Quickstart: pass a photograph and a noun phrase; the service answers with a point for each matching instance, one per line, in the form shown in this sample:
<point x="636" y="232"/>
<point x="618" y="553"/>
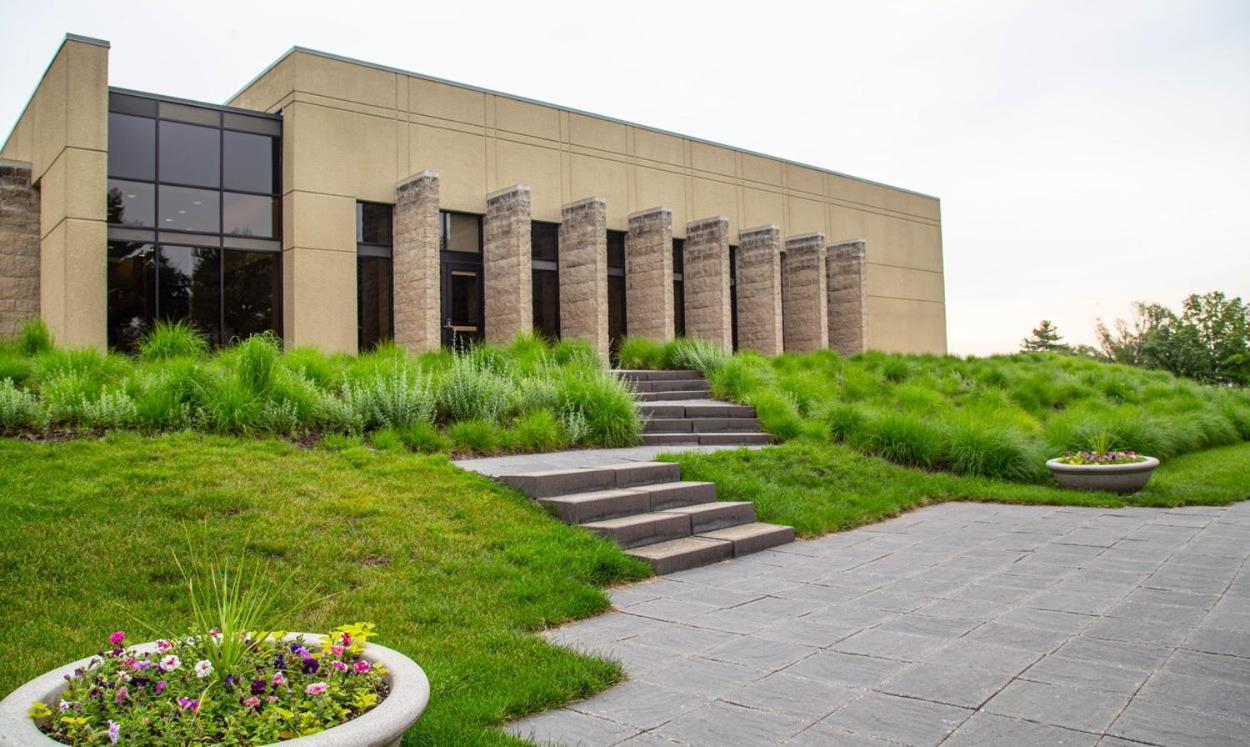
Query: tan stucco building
<point x="340" y="203"/>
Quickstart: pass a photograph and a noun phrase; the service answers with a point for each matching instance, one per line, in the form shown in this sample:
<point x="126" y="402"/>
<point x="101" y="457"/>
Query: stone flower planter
<point x="1110" y="478"/>
<point x="384" y="726"/>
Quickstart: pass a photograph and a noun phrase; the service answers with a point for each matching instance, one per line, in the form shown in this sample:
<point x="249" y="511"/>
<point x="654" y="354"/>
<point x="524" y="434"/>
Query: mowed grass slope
<point x="819" y="488"/>
<point x="455" y="571"/>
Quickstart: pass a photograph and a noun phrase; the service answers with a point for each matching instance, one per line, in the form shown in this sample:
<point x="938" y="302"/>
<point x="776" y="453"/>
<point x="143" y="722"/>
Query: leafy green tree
<point x="1045" y="339"/>
<point x="1209" y="340"/>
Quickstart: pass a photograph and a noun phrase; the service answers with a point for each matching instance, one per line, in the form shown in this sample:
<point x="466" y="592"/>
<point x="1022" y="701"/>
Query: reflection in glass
<point x="679" y="308"/>
<point x="132" y="146"/>
<point x="189" y="288"/>
<point x="463" y="308"/>
<point x="733" y="294"/>
<point x="462" y="232"/>
<point x="131" y="293"/>
<point x="185" y="209"/>
<point x="616" y="312"/>
<point x="373" y="300"/>
<point x="131" y="203"/>
<point x="248" y="162"/>
<point x="252" y="290"/>
<point x="616" y="249"/>
<point x="190" y="154"/>
<point x="546" y="288"/>
<point x="249" y="215"/>
<point x="373" y="223"/>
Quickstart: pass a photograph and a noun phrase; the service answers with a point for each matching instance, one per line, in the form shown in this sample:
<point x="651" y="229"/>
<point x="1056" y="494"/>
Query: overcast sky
<point x="1087" y="154"/>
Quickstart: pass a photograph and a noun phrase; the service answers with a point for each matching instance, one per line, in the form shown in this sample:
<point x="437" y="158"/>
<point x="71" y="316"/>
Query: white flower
<point x="64" y="705"/>
<point x="169" y="663"/>
<point x="203" y="668"/>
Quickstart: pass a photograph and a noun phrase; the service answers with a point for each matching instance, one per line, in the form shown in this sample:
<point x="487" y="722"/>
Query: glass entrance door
<point x="462" y="302"/>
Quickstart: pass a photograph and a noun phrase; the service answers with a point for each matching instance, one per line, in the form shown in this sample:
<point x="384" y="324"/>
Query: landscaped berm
<point x="333" y="473"/>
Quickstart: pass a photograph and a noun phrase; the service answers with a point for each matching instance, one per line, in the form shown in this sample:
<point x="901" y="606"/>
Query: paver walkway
<point x="958" y="624"/>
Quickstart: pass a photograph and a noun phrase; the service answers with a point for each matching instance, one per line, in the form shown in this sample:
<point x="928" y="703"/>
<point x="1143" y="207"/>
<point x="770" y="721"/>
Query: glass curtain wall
<point x="194" y="213"/>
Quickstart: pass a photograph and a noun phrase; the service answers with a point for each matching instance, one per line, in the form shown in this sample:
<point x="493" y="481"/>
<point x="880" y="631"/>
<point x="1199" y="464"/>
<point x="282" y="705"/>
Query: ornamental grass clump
<point x="229" y="679"/>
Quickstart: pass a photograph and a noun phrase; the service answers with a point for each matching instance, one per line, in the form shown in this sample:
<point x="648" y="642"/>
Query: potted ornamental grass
<point x="230" y="679"/>
<point x="1103" y="467"/>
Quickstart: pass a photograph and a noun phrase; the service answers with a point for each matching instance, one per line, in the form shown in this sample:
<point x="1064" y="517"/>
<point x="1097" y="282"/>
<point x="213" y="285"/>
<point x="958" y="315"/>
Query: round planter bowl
<point x="383" y="726"/>
<point x="1109" y="478"/>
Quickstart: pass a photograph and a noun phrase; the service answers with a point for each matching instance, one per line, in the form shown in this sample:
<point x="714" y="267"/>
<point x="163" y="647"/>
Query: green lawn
<point x="454" y="570"/>
<point x="818" y="487"/>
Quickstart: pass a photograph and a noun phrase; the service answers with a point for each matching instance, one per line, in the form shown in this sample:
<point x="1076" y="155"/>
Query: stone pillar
<point x="847" y="281"/>
<point x="706" y="277"/>
<point x="19" y="247"/>
<point x="415" y="263"/>
<point x="759" y="290"/>
<point x="804" y="299"/>
<point x="583" y="262"/>
<point x="506" y="264"/>
<point x="649" y="275"/>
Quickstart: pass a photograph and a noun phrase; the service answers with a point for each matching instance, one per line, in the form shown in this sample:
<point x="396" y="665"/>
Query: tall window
<point x="375" y="321"/>
<point x="616" y="291"/>
<point x="545" y="246"/>
<point x="679" y="289"/>
<point x="460" y="260"/>
<point x="194" y="213"/>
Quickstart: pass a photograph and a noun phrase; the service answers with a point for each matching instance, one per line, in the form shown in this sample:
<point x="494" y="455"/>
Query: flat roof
<point x="399" y="71"/>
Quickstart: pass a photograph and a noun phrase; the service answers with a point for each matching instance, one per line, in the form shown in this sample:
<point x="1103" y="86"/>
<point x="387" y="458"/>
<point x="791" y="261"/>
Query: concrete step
<point x="546" y="484"/>
<point x="749" y="538"/>
<point x="642" y="529"/>
<point x="680" y="554"/>
<point x="709" y="517"/>
<point x="658" y="410"/>
<point x="706" y="439"/>
<point x="666" y="396"/>
<point x="635" y="374"/>
<point x="702" y="425"/>
<point x="672" y="385"/>
<point x="579" y="508"/>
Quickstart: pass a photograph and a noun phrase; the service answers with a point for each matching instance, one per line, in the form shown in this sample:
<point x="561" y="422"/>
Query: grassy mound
<point x="999" y="417"/>
<point x="527" y="396"/>
<point x="453" y="569"/>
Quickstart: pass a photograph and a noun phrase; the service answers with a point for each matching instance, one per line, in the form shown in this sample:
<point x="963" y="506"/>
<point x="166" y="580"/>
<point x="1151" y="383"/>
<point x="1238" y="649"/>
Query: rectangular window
<point x="251" y="287"/>
<point x="374" y="274"/>
<point x="461" y="232"/>
<point x="190" y="154"/>
<point x="249" y="162"/>
<point x="545" y="254"/>
<point x="131" y="293"/>
<point x="189" y="288"/>
<point x="733" y="294"/>
<point x="131" y="203"/>
<point x="679" y="287"/>
<point x="186" y="209"/>
<point x="616" y="291"/>
<point x="250" y="215"/>
<point x="374" y="305"/>
<point x="132" y="147"/>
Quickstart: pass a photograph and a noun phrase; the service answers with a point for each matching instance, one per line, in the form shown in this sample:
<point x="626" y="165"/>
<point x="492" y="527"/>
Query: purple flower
<point x="229" y="682"/>
<point x="187" y="704"/>
<point x="115" y="732"/>
<point x="123" y="694"/>
<point x="279" y="679"/>
<point x="258" y="687"/>
<point x="310" y="666"/>
<point x="160" y="687"/>
<point x="362" y="667"/>
<point x="279" y="663"/>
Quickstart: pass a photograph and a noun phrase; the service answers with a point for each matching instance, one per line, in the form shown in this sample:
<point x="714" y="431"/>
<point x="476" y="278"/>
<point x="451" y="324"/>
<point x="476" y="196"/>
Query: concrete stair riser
<point x="709" y="517"/>
<point x="672" y="385"/>
<point x="642" y="529"/>
<point x="579" y="508"/>
<point x="672" y="396"/>
<point x="646" y="375"/>
<point x="564" y="482"/>
<point x="682" y="554"/>
<point x="710" y="410"/>
<point x="732" y="439"/>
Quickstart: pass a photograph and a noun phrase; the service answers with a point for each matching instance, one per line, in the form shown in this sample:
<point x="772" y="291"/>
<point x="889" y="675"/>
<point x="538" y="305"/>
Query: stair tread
<point x="709" y="507"/>
<point x="677" y="547"/>
<point x="631" y="520"/>
<point x="741" y="531"/>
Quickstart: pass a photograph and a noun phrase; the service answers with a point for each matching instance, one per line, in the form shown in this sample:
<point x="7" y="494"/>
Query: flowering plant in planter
<point x="1127" y="456"/>
<point x="245" y="688"/>
<point x="1102" y="467"/>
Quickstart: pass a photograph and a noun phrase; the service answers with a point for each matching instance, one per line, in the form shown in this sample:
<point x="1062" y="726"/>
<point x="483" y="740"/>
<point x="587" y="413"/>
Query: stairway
<point x="679" y="410"/>
<point x="646" y="508"/>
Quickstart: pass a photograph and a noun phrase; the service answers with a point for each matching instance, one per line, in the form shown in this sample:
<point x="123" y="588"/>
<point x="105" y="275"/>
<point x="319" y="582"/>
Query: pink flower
<point x="251" y="702"/>
<point x="347" y="639"/>
<point x="123" y="694"/>
<point x="336" y="650"/>
<point x="139" y="665"/>
<point x="188" y="704"/>
<point x="279" y="679"/>
<point x="316" y="688"/>
<point x="362" y="667"/>
<point x="169" y="663"/>
<point x="340" y="666"/>
<point x="271" y="698"/>
<point x="203" y="668"/>
<point x="117" y="638"/>
<point x="160" y="686"/>
<point x="115" y="732"/>
<point x="163" y="646"/>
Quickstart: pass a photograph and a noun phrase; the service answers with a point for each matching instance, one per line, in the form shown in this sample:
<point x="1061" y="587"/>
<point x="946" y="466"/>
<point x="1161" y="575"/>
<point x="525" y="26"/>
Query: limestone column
<point x="847" y="282"/>
<point x="706" y="277"/>
<point x="506" y="264"/>
<point x="415" y="263"/>
<point x="583" y="262"/>
<point x="804" y="299"/>
<point x="759" y="290"/>
<point x="19" y="247"/>
<point x="649" y="275"/>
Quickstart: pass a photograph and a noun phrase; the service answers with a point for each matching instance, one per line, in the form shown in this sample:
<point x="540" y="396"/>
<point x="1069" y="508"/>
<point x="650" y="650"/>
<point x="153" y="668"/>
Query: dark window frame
<point x="366" y="250"/>
<point x="451" y="262"/>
